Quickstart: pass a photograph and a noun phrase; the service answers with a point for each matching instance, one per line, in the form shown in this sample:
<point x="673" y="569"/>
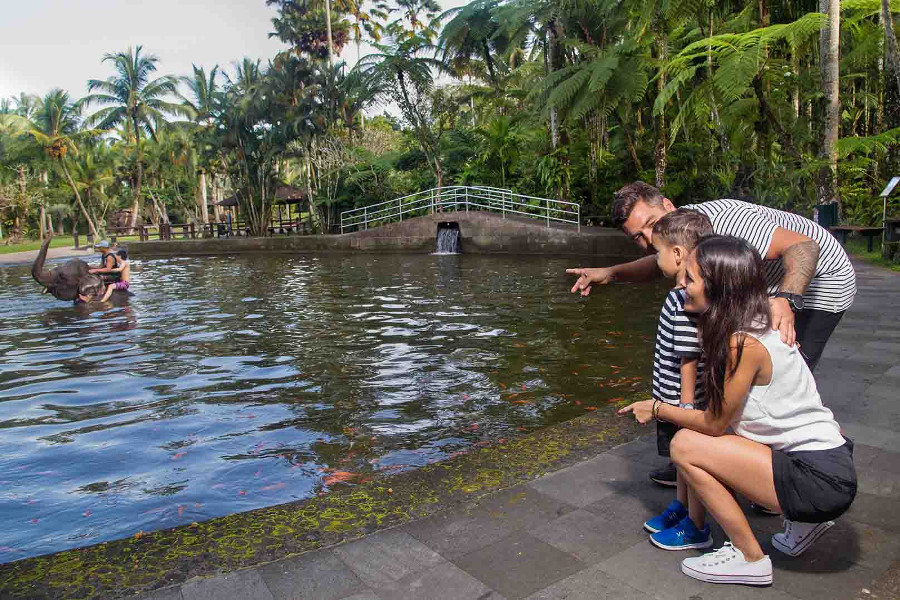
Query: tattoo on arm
<point x="799" y="266"/>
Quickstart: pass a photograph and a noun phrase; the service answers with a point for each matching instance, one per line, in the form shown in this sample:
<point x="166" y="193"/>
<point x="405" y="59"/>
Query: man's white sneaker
<point x="797" y="537"/>
<point x="728" y="565"/>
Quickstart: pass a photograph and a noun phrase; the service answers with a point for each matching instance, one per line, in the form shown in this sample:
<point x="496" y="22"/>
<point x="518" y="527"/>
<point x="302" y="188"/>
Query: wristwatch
<point x="795" y="300"/>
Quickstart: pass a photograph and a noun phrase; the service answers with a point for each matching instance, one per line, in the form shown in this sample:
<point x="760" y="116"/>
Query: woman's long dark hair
<point x="735" y="286"/>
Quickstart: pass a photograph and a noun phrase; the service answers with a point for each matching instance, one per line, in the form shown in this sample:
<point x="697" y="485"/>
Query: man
<point x="108" y="262"/>
<point x="811" y="281"/>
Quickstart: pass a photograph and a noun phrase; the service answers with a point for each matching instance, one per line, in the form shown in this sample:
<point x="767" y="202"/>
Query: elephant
<point x="67" y="280"/>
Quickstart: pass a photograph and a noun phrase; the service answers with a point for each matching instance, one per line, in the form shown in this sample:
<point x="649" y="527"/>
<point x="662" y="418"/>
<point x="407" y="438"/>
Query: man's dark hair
<point x="626" y="197"/>
<point x="123" y="253"/>
<point x="682" y="227"/>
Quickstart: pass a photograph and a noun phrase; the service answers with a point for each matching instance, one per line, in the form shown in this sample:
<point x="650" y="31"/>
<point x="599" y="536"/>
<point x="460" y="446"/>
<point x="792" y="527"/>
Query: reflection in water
<point x="230" y="383"/>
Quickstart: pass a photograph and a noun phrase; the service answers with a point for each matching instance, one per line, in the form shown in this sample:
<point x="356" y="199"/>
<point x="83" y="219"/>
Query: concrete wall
<point x="480" y="233"/>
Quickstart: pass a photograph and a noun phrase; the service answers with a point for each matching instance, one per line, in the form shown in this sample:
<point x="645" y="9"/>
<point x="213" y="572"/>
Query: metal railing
<point x="461" y="197"/>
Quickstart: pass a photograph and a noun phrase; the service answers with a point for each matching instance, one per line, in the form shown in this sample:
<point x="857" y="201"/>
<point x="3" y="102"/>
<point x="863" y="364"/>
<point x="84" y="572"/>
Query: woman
<point x="786" y="451"/>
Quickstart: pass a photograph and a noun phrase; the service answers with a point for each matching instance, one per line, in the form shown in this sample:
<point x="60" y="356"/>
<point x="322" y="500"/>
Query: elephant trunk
<point x="37" y="269"/>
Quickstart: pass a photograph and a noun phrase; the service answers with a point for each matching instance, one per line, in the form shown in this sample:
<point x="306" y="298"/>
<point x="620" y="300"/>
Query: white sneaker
<point x="797" y="537"/>
<point x="728" y="565"/>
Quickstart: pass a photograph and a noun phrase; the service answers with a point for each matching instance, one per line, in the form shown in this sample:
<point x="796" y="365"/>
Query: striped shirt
<point x="676" y="338"/>
<point x="834" y="284"/>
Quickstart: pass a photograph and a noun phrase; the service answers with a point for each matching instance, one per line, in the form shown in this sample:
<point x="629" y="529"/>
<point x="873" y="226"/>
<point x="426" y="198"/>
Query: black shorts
<point x="665" y="431"/>
<point x="817" y="485"/>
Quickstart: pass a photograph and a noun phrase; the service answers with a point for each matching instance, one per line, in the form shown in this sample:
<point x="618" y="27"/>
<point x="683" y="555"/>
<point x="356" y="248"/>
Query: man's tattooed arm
<point x="799" y="266"/>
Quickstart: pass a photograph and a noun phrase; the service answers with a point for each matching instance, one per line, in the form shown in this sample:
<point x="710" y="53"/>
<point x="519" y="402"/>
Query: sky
<point x="46" y="44"/>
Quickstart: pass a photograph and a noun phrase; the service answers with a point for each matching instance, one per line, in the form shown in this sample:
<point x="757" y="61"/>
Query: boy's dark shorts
<point x="665" y="431"/>
<point x="815" y="486"/>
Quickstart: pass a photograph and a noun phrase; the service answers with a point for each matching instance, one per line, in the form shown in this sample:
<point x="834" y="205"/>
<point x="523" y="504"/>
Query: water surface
<point x="230" y="383"/>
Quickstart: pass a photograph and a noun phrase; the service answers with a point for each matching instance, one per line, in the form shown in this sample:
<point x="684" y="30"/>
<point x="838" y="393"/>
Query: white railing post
<point x="432" y="201"/>
<point x="548" y="212"/>
<point x="400" y="205"/>
<point x="365" y="218"/>
<point x="578" y="216"/>
<point x="503" y="203"/>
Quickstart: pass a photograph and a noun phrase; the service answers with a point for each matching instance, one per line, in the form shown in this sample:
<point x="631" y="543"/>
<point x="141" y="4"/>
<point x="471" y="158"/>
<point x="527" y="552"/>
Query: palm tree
<point x="55" y="128"/>
<point x="420" y="14"/>
<point x="370" y="22"/>
<point x="204" y="91"/>
<point x="131" y="95"/>
<point x="92" y="174"/>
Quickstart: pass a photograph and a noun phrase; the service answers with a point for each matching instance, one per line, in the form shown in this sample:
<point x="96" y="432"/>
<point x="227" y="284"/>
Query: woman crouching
<point x="765" y="434"/>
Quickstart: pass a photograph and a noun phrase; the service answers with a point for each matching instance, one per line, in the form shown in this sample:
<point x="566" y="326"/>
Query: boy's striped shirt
<point x="676" y="338"/>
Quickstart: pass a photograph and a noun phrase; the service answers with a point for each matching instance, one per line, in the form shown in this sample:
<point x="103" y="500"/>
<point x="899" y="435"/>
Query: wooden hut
<point x="286" y="213"/>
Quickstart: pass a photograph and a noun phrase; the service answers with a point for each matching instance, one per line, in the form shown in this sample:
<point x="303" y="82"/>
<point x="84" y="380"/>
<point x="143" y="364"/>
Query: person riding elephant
<point x="109" y="262"/>
<point x="68" y="280"/>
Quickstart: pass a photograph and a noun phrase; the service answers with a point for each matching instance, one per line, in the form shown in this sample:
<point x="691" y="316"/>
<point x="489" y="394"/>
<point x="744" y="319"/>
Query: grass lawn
<point x="856" y="246"/>
<point x="64" y="241"/>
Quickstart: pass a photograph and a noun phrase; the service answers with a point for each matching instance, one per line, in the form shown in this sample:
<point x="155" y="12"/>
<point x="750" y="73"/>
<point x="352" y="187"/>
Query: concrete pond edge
<point x="150" y="561"/>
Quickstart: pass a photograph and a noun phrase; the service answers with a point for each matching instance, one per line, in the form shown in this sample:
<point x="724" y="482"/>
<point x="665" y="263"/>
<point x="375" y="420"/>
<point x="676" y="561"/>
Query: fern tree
<point x="745" y="67"/>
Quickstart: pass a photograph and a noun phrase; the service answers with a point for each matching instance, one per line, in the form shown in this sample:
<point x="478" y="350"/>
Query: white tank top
<point x="787" y="414"/>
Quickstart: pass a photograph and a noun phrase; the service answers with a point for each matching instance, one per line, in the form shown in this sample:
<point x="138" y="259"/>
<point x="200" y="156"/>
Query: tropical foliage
<point x="791" y="104"/>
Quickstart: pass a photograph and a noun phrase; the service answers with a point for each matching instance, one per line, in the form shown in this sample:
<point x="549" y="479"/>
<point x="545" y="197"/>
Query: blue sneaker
<point x="674" y="513"/>
<point x="682" y="536"/>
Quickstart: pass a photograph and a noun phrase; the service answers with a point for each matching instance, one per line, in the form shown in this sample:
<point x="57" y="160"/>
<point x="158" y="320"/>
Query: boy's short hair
<point x="123" y="253"/>
<point x="627" y="196"/>
<point x="682" y="227"/>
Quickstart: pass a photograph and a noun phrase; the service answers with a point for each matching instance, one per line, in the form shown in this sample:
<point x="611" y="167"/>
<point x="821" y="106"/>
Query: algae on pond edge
<point x="162" y="558"/>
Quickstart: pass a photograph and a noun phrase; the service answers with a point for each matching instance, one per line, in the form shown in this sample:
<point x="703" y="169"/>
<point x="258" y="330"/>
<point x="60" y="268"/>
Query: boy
<point x="676" y="375"/>
<point x="124" y="272"/>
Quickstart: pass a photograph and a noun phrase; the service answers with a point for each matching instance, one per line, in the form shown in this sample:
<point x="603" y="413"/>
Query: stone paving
<point x="576" y="533"/>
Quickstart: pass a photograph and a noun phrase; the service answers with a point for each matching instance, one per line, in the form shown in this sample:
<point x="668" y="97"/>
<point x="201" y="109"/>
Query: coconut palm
<point x="204" y="91"/>
<point x="130" y="95"/>
<point x="55" y="126"/>
<point x="201" y="102"/>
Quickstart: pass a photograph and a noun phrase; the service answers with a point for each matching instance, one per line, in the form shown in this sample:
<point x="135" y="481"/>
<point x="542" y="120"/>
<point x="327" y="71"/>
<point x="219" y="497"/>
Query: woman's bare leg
<point x="712" y="465"/>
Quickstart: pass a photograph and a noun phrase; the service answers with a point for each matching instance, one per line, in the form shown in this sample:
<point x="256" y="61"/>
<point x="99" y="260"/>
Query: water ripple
<point x="226" y="384"/>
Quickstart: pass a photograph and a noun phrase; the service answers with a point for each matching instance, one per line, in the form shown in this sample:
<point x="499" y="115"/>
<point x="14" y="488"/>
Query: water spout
<point x="448" y="238"/>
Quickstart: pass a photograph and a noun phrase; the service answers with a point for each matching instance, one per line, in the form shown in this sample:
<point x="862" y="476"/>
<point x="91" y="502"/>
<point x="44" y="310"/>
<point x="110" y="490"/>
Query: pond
<point x="231" y="383"/>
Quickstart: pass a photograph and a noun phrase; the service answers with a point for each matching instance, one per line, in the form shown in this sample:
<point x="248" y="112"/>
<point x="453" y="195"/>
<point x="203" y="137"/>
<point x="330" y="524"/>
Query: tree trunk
<point x="661" y="152"/>
<point x="553" y="52"/>
<point x="202" y="198"/>
<point x="829" y="58"/>
<point x="891" y="103"/>
<point x="328" y="32"/>
<point x="136" y="207"/>
<point x="87" y="217"/>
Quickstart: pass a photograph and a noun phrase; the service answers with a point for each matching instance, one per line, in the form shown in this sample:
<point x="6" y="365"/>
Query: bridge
<point x="461" y="198"/>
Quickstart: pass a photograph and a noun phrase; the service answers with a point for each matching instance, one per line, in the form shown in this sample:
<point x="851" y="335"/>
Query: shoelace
<point x="725" y="553"/>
